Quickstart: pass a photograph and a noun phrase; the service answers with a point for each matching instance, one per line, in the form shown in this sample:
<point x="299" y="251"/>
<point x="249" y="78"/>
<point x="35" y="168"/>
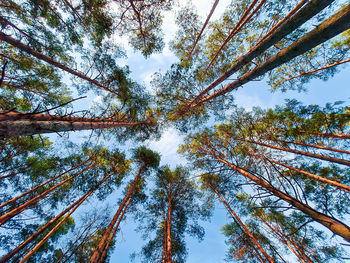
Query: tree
<point x="172" y="210"/>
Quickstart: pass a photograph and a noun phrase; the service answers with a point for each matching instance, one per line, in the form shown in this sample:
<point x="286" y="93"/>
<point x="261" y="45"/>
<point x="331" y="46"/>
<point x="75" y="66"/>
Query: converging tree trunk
<point x="18" y="124"/>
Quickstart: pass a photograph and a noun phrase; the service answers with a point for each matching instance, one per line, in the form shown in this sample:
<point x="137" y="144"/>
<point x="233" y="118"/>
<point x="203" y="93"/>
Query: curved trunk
<point x="18" y="44"/>
<point x="96" y="256"/>
<point x="321" y="179"/>
<point x="4" y="218"/>
<point x="18" y="123"/>
<point x="328" y="29"/>
<point x="242" y="225"/>
<point x="77" y="203"/>
<point x="292" y="23"/>
<point x="42" y="184"/>
<point x="313" y="155"/>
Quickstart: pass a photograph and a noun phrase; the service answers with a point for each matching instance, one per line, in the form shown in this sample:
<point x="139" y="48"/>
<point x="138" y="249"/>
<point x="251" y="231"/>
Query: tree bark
<point x="334" y="225"/>
<point x="242" y="225"/>
<point x="18" y="124"/>
<point x="18" y="44"/>
<point x="328" y="29"/>
<point x="96" y="256"/>
<point x="12" y="253"/>
<point x="168" y="228"/>
<point x="313" y="155"/>
<point x="292" y="23"/>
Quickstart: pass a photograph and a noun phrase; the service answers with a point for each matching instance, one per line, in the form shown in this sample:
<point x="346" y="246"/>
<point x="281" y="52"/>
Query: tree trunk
<point x="96" y="256"/>
<point x="312" y="176"/>
<point x="77" y="203"/>
<point x="168" y="228"/>
<point x="334" y="225"/>
<point x="285" y="241"/>
<point x="246" y="17"/>
<point x="203" y="27"/>
<point x="4" y="218"/>
<point x="292" y="23"/>
<point x="42" y="184"/>
<point x="242" y="225"/>
<point x="18" y="44"/>
<point x="328" y="29"/>
<point x="18" y="124"/>
<point x="308" y="145"/>
<point x="313" y="155"/>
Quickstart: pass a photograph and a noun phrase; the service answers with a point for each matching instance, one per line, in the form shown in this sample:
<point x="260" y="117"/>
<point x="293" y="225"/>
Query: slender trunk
<point x="246" y="17"/>
<point x="164" y="255"/>
<point x="328" y="29"/>
<point x="42" y="184"/>
<point x="18" y="44"/>
<point x="12" y="253"/>
<point x="168" y="228"/>
<point x="104" y="254"/>
<point x="334" y="225"/>
<point x="308" y="145"/>
<point x="312" y="176"/>
<point x="285" y="241"/>
<point x="318" y="69"/>
<point x="300" y="251"/>
<point x="96" y="256"/>
<point x="242" y="225"/>
<point x="292" y="23"/>
<point x="203" y="27"/>
<point x="313" y="155"/>
<point x="4" y="218"/>
<point x="18" y="124"/>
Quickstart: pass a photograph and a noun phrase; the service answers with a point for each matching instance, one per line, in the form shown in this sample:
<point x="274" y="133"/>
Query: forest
<point x="79" y="173"/>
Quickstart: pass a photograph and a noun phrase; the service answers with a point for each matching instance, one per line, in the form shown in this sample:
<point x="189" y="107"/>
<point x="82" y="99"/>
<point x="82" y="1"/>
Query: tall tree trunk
<point x="42" y="184"/>
<point x="308" y="145"/>
<point x="104" y="254"/>
<point x="96" y="256"/>
<point x="4" y="218"/>
<point x="168" y="228"/>
<point x="328" y="29"/>
<point x="18" y="44"/>
<point x="312" y="176"/>
<point x="286" y="242"/>
<point x="202" y="30"/>
<point x="242" y="225"/>
<point x="292" y="23"/>
<point x="164" y="255"/>
<point x="313" y="155"/>
<point x="43" y="228"/>
<point x="334" y="225"/>
<point x="18" y="124"/>
<point x="246" y="17"/>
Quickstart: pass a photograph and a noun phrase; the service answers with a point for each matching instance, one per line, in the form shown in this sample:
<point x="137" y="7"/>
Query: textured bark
<point x="96" y="256"/>
<point x="168" y="228"/>
<point x="292" y="23"/>
<point x="30" y="239"/>
<point x="313" y="155"/>
<point x="4" y="218"/>
<point x="312" y="176"/>
<point x="18" y="44"/>
<point x="242" y="225"/>
<point x="334" y="225"/>
<point x="42" y="184"/>
<point x="328" y="29"/>
<point x="203" y="27"/>
<point x="18" y="124"/>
